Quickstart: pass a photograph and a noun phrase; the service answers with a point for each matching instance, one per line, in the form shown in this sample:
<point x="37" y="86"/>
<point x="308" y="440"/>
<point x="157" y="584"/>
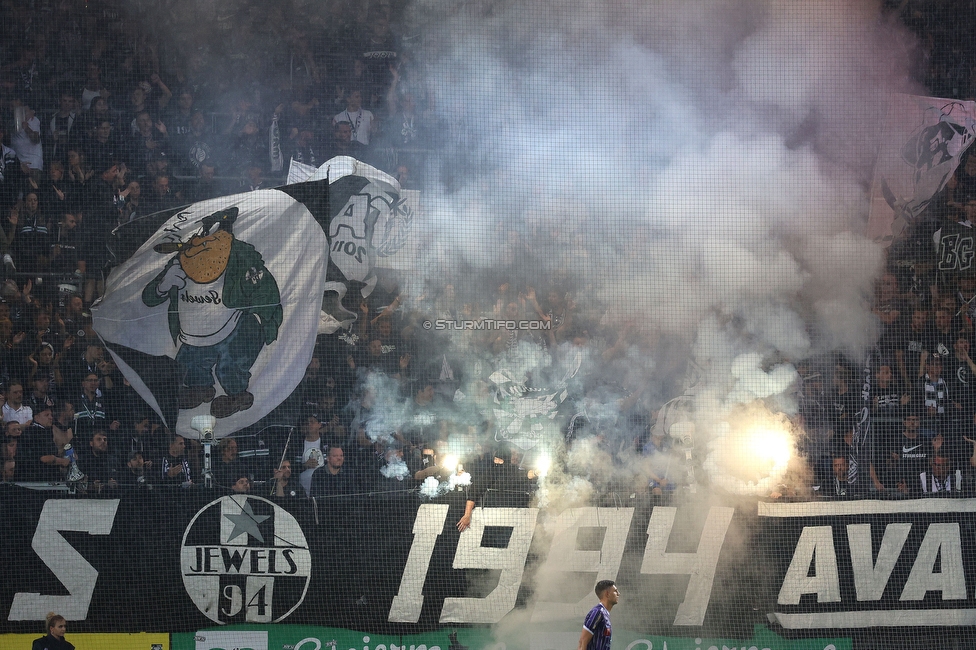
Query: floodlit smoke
<point x="697" y="170"/>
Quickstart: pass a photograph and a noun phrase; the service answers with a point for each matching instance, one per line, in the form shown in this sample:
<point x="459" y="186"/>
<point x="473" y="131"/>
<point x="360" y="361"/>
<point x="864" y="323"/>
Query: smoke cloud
<point x="698" y="172"/>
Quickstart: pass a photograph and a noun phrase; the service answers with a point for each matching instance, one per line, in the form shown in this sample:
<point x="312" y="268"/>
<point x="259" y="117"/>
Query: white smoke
<point x="698" y="169"/>
<point x="388" y="411"/>
<point x="430" y="488"/>
<point x="395" y="468"/>
<point x="752" y="382"/>
<point x="433" y="488"/>
<point x="702" y="158"/>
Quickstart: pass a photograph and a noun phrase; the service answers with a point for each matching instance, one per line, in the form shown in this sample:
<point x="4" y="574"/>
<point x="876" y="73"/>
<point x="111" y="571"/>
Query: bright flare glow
<point x="450" y="462"/>
<point x="769" y="447"/>
<point x="751" y="456"/>
<point x="542" y="464"/>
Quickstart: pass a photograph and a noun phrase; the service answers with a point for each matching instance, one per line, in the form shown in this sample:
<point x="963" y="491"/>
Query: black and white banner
<point x="223" y="288"/>
<point x="921" y="145"/>
<point x="395" y="563"/>
<point x="216" y="313"/>
<point x="861" y="564"/>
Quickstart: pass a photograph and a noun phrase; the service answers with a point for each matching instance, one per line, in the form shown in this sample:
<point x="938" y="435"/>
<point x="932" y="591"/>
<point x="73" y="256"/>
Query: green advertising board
<point x="529" y="637"/>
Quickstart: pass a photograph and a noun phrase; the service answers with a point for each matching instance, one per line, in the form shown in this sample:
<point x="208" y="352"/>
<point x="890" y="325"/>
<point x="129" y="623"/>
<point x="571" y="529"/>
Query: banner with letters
<point x="861" y="564"/>
<point x="394" y="564"/>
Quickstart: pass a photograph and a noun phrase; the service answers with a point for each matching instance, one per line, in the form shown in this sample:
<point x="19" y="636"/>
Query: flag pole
<point x="284" y="453"/>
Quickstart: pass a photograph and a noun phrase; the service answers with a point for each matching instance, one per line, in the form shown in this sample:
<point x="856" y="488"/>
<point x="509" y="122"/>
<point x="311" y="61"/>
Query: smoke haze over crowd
<point x="699" y="171"/>
<point x="695" y="175"/>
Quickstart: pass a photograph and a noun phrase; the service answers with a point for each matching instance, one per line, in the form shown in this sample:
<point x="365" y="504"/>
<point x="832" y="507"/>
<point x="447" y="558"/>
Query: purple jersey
<point x="597" y="623"/>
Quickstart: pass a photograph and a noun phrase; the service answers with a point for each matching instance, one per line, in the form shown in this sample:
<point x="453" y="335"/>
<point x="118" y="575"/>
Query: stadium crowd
<point x="114" y="113"/>
<point x="104" y="121"/>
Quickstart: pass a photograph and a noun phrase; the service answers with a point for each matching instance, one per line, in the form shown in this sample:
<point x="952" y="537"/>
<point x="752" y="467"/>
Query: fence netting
<point x="396" y="322"/>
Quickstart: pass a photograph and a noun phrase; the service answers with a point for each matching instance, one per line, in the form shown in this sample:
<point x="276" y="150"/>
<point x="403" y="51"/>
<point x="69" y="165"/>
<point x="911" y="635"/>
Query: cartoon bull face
<point x="204" y="259"/>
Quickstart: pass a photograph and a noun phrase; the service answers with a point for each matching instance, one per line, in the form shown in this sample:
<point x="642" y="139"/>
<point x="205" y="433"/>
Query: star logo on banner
<point x="246" y="522"/>
<point x="280" y="593"/>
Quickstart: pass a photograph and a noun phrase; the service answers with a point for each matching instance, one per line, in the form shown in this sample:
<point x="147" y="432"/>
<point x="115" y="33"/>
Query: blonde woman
<point x="56" y="627"/>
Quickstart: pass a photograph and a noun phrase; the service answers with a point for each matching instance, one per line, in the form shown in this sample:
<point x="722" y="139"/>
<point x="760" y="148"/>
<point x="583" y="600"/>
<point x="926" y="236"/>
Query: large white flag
<point x="217" y="312"/>
<point x="921" y="145"/>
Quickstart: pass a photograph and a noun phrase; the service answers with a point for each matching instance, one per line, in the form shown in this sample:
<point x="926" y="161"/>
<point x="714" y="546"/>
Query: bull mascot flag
<point x="216" y="311"/>
<point x="922" y="144"/>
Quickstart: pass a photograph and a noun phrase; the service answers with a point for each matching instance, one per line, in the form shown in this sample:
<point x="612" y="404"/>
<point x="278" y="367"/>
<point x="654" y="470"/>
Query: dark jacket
<point x="51" y="643"/>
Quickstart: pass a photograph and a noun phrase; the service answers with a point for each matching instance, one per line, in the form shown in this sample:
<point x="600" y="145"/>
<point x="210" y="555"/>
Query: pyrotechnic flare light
<point x="450" y="462"/>
<point x="542" y="464"/>
<point x="769" y="446"/>
<point x="749" y="459"/>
